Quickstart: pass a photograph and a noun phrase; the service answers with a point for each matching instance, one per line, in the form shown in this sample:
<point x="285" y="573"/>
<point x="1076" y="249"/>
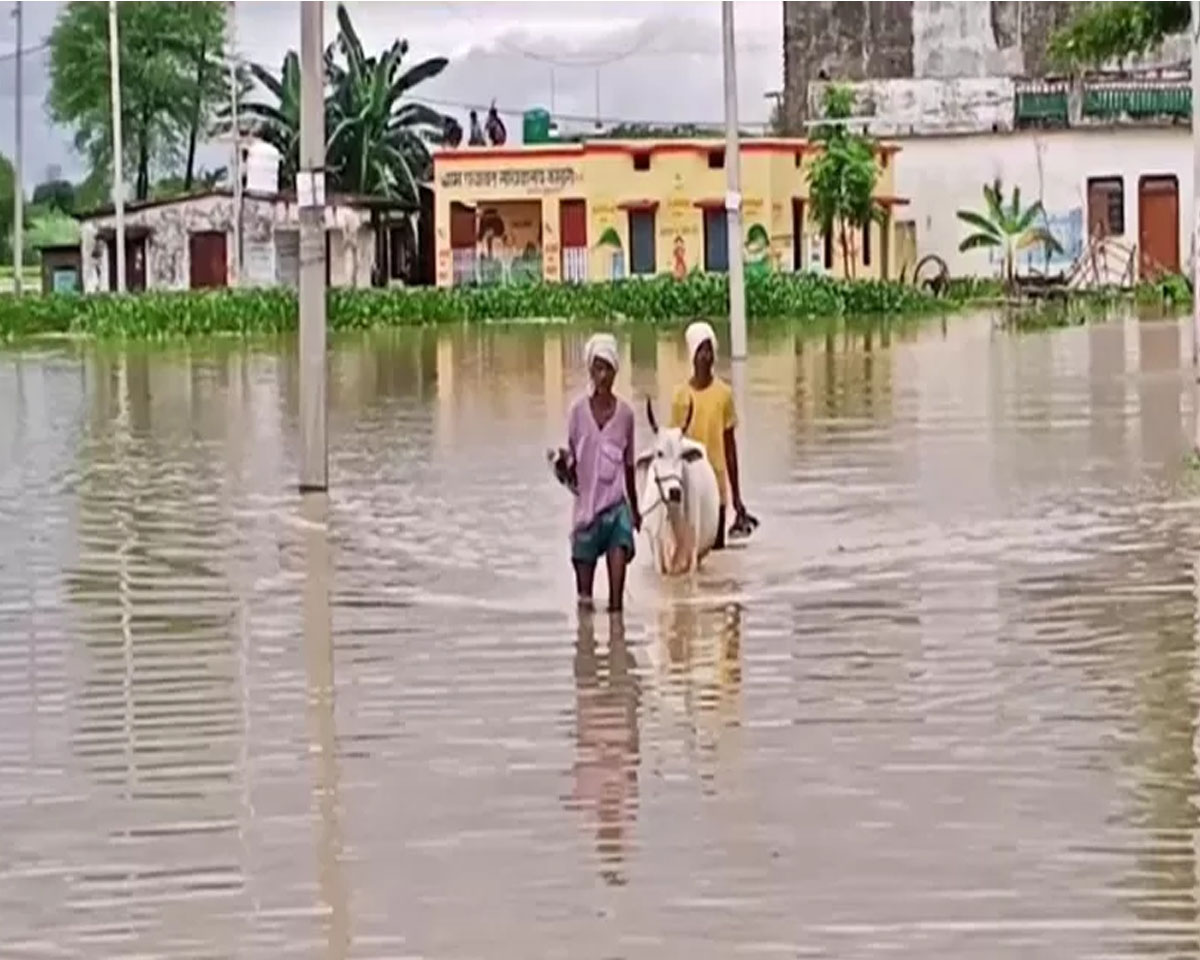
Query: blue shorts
<point x="612" y="528"/>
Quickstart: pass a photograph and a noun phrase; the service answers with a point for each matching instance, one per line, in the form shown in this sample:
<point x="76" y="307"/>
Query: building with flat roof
<point x="606" y="209"/>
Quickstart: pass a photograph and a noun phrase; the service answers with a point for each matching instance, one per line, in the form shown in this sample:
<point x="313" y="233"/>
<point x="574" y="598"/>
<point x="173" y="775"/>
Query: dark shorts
<point x="612" y="528"/>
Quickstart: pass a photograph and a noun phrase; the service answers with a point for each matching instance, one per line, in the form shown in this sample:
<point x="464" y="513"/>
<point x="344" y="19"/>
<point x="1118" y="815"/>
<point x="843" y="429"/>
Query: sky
<point x="653" y="61"/>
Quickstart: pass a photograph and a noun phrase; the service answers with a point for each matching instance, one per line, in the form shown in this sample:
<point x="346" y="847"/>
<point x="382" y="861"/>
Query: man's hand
<point x="637" y="518"/>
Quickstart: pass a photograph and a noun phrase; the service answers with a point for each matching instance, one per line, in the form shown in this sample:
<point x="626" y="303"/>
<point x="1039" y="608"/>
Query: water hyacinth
<point x="659" y="299"/>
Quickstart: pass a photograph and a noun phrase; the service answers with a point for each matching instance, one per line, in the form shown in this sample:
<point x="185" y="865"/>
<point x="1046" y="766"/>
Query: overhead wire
<point x="25" y="51"/>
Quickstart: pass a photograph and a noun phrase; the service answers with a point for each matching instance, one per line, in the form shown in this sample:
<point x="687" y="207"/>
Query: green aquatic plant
<point x="659" y="299"/>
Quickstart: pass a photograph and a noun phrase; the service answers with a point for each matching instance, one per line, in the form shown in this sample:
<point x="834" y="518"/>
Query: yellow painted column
<point x="441" y="240"/>
<point x="551" y="241"/>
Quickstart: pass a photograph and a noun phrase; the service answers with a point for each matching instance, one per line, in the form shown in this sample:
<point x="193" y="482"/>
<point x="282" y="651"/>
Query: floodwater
<point x="942" y="706"/>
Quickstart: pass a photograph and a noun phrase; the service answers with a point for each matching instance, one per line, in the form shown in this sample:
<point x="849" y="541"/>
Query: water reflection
<point x="943" y="705"/>
<point x="697" y="670"/>
<point x="605" y="772"/>
<point x="318" y="658"/>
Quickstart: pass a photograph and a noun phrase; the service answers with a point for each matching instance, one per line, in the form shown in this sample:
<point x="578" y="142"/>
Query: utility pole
<point x="1195" y="32"/>
<point x="236" y="165"/>
<point x="118" y="185"/>
<point x="310" y="195"/>
<point x="18" y="186"/>
<point x="733" y="196"/>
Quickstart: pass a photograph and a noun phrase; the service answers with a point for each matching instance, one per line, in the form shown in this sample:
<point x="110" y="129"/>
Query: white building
<point x="1131" y="184"/>
<point x="186" y="242"/>
<point x="953" y="84"/>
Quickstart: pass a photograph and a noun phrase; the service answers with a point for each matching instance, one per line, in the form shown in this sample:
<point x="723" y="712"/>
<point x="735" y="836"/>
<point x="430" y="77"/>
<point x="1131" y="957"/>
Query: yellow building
<point x="605" y="209"/>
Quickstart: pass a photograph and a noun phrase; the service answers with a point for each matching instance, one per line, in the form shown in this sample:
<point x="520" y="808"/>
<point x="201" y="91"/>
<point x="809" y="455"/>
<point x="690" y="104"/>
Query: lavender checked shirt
<point x="601" y="456"/>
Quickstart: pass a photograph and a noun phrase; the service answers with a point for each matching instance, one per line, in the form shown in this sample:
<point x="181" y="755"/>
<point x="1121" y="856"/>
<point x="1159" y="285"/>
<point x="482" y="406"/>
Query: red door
<point x="209" y="267"/>
<point x="572" y="216"/>
<point x="1158" y="225"/>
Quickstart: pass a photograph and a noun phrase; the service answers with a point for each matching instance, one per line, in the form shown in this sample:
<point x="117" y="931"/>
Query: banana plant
<point x="377" y="135"/>
<point x="1007" y="227"/>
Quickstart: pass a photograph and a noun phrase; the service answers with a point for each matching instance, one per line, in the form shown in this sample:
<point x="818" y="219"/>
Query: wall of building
<point x="901" y="108"/>
<point x="921" y="40"/>
<point x="678" y="184"/>
<point x="942" y="175"/>
<point x="168" y="261"/>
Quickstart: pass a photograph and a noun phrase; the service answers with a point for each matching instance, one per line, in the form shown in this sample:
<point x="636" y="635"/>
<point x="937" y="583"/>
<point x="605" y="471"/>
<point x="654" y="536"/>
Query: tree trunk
<point x="194" y="129"/>
<point x="847" y="266"/>
<point x="142" y="183"/>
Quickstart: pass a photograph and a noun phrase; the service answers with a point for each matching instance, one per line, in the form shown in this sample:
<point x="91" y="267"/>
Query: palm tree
<point x="1007" y="227"/>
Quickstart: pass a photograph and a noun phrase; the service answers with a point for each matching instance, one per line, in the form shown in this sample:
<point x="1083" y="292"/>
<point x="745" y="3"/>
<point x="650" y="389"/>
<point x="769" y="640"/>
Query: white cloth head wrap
<point x="696" y="334"/>
<point x="604" y="346"/>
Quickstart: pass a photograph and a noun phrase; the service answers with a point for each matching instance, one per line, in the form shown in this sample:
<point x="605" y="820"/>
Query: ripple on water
<point x="942" y="705"/>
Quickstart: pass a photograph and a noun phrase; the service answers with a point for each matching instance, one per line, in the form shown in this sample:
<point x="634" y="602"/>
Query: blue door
<point x="716" y="241"/>
<point x="641" y="241"/>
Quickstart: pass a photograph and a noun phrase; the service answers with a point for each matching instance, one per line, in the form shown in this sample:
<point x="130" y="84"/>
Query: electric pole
<point x="310" y="196"/>
<point x="1195" y="34"/>
<point x="733" y="196"/>
<point x="236" y="166"/>
<point x="18" y="186"/>
<point x="118" y="185"/>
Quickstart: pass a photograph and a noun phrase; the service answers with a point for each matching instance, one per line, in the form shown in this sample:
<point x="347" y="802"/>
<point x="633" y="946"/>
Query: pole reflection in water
<point x="606" y="741"/>
<point x="318" y="658"/>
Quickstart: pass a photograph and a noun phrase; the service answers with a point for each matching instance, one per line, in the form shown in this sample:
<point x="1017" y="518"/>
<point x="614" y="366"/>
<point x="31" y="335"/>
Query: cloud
<point x="654" y="61"/>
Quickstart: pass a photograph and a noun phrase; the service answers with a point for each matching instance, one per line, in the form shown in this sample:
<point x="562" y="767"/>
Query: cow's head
<point x="664" y="461"/>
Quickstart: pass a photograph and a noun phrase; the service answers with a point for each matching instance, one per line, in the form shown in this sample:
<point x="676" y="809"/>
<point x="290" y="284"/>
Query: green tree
<point x="378" y="141"/>
<point x="841" y="180"/>
<point x="1104" y="32"/>
<point x="376" y="136"/>
<point x="199" y="47"/>
<point x="55" y="194"/>
<point x="170" y="82"/>
<point x="1007" y="227"/>
<point x="48" y="226"/>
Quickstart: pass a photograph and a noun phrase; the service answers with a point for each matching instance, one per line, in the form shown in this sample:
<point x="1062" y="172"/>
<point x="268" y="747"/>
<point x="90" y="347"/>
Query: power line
<point x="24" y="51"/>
<point x="579" y="118"/>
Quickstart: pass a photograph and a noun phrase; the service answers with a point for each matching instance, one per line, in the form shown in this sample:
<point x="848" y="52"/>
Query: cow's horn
<point x="688" y="420"/>
<point x="650" y="415"/>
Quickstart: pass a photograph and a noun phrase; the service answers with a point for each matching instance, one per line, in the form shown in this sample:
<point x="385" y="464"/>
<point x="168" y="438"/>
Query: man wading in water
<point x="600" y="447"/>
<point x="713" y="423"/>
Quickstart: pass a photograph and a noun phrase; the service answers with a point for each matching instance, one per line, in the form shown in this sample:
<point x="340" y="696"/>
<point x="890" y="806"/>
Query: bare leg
<point x="618" y="559"/>
<point x="585" y="576"/>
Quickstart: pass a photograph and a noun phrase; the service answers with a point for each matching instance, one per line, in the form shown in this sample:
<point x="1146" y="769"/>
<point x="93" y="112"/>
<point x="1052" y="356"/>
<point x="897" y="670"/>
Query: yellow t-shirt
<point x="712" y="416"/>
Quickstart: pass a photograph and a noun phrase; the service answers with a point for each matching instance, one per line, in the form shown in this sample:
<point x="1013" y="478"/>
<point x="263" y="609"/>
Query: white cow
<point x="680" y="501"/>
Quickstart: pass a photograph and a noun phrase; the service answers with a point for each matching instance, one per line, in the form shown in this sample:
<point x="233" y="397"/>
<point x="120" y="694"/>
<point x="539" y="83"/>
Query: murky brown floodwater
<point x="943" y="707"/>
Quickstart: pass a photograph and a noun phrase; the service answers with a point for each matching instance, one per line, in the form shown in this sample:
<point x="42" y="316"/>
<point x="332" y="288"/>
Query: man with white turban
<point x="713" y="423"/>
<point x="600" y="450"/>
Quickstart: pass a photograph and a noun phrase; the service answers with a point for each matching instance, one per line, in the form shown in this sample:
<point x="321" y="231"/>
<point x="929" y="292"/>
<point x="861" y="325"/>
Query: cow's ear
<point x="644" y="459"/>
<point x="692" y="451"/>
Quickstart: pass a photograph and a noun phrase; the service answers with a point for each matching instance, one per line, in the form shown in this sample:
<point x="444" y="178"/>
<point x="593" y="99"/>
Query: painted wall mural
<point x="758" y="248"/>
<point x="679" y="266"/>
<point x="610" y="243"/>
<point x="1067" y="227"/>
<point x="509" y="248"/>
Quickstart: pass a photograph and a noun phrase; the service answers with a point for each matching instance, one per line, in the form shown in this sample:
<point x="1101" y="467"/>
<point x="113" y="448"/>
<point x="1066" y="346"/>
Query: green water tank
<point x="537" y="126"/>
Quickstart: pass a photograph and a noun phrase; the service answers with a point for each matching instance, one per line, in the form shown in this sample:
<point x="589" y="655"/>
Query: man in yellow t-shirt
<point x="713" y="423"/>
